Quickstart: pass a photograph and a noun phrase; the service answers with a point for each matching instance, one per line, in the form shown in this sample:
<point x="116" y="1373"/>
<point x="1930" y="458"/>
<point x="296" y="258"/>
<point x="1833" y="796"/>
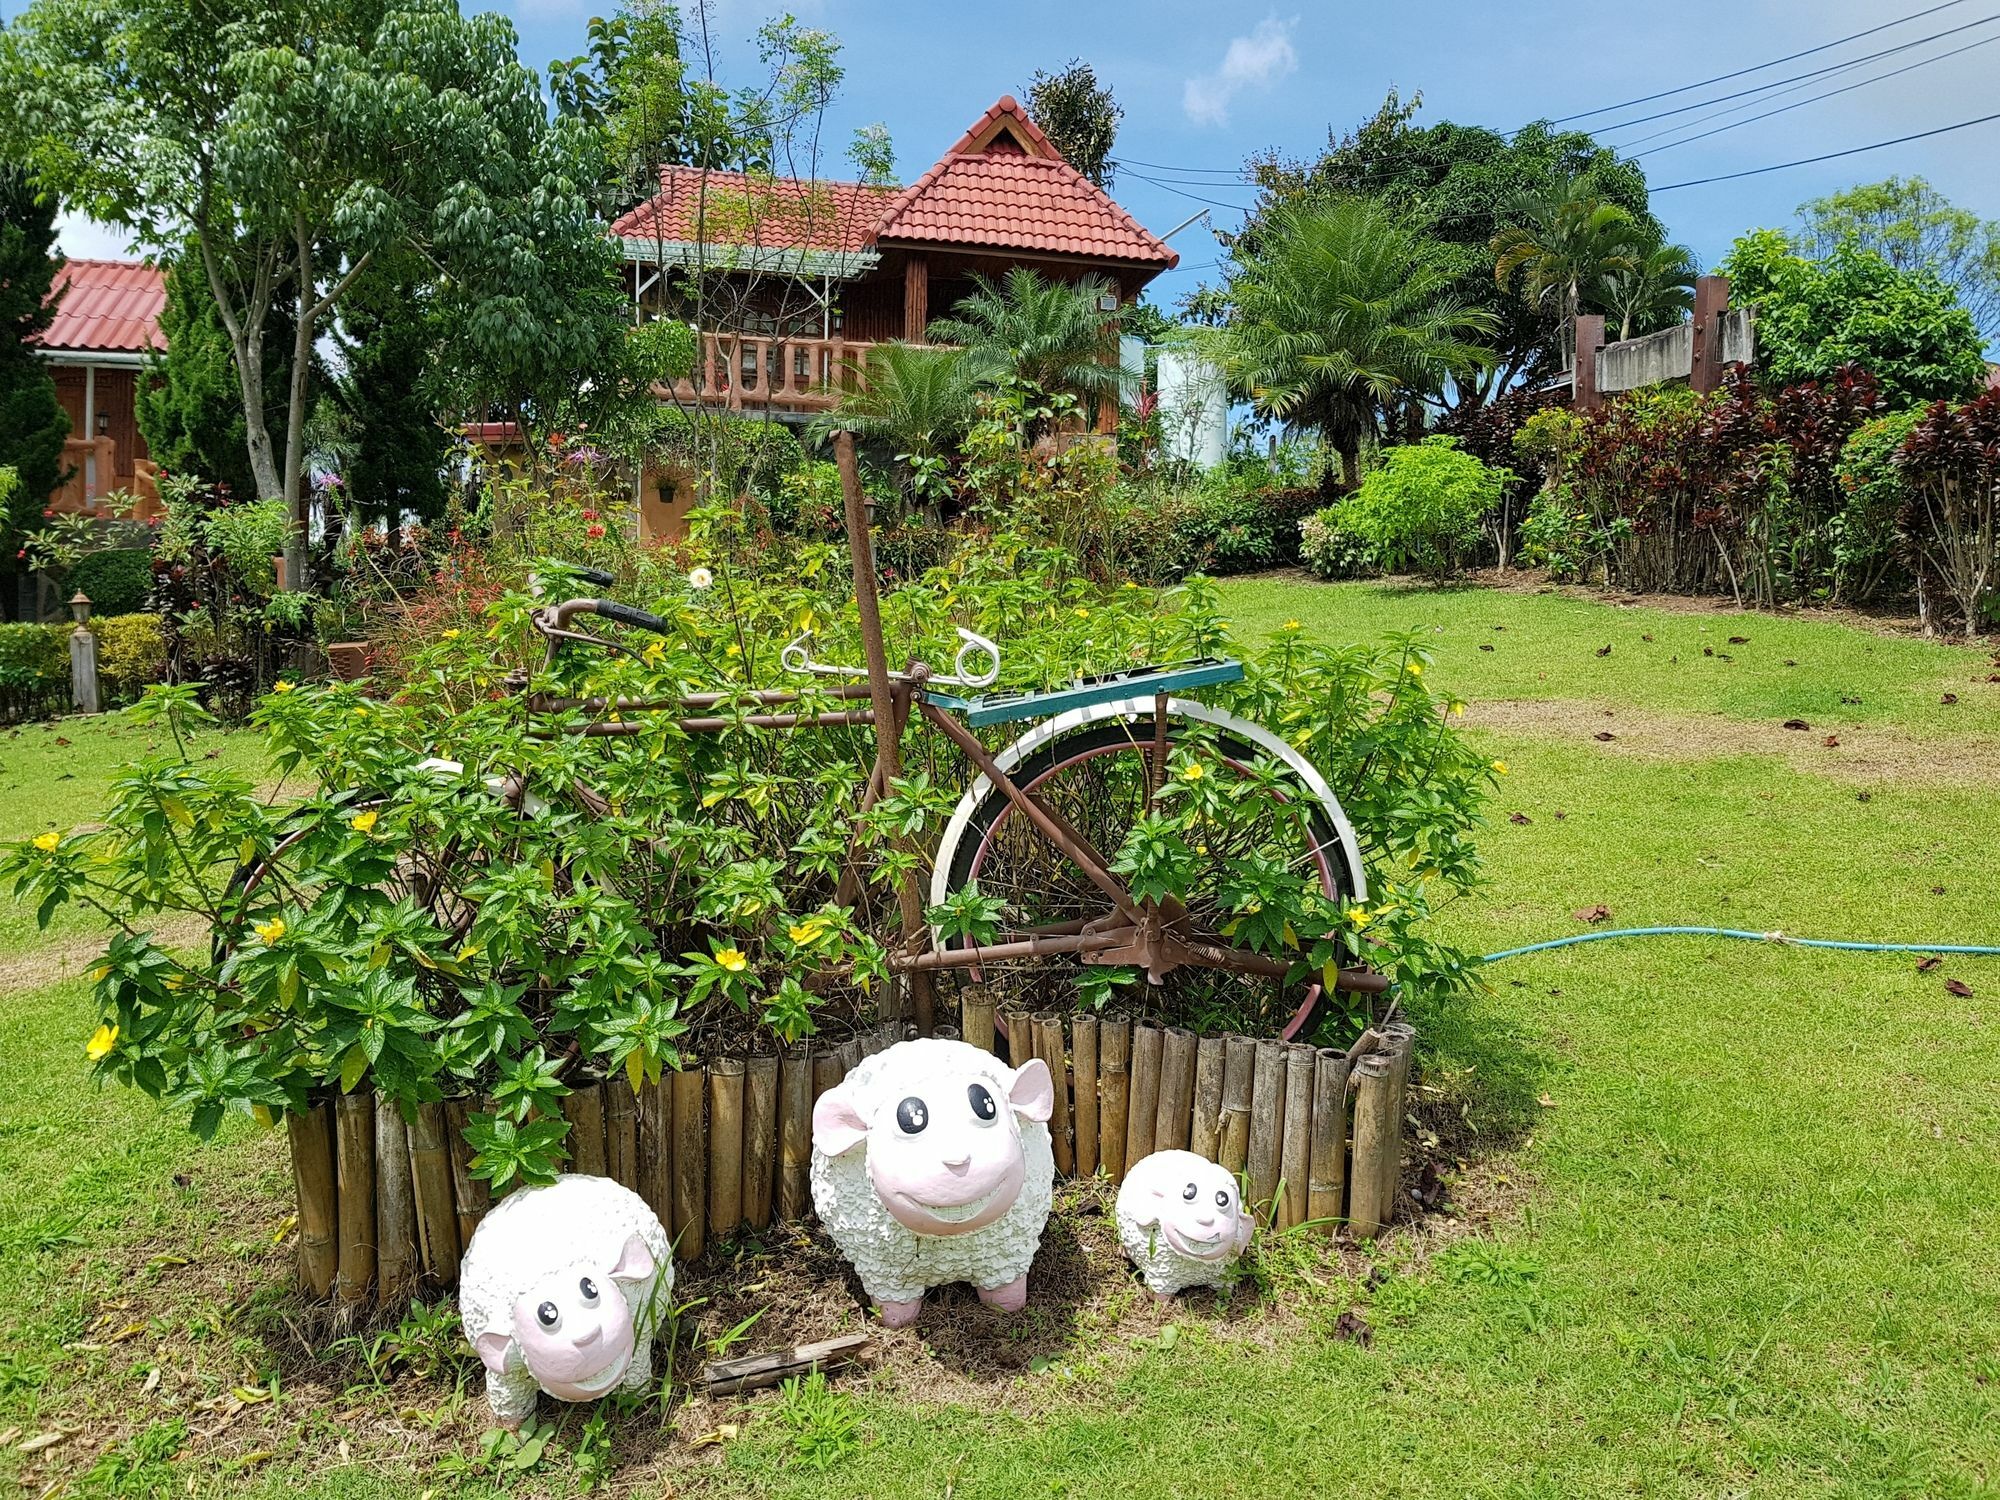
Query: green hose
<point x="1735" y="932"/>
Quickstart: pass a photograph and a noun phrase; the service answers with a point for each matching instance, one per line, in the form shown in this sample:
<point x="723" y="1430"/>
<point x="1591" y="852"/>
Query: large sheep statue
<point x="562" y="1289"/>
<point x="1181" y="1220"/>
<point x="931" y="1164"/>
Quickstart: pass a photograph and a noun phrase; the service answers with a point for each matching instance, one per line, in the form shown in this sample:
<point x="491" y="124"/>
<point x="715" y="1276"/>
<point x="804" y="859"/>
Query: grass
<point x="1735" y="1204"/>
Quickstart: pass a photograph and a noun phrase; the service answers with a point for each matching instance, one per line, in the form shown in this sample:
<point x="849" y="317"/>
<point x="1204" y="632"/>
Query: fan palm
<point x="1339" y="312"/>
<point x="1563" y="245"/>
<point x="1052" y="335"/>
<point x="1651" y="294"/>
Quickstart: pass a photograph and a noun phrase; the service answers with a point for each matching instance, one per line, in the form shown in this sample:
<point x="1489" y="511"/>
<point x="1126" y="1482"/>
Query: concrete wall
<point x="1669" y="354"/>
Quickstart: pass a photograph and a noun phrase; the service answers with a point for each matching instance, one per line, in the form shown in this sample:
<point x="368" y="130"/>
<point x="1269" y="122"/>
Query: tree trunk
<point x="1350" y="464"/>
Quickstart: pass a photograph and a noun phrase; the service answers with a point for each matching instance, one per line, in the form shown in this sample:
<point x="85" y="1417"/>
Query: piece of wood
<point x="583" y="1107"/>
<point x="690" y="1165"/>
<point x="1267" y="1127"/>
<point x="729" y="1377"/>
<point x="879" y="1038"/>
<point x="1141" y="1109"/>
<point x="1173" y="1120"/>
<point x="795" y="1104"/>
<point x="826" y="1071"/>
<point x="1326" y="1173"/>
<point x="471" y="1195"/>
<point x="1370" y="1177"/>
<point x="975" y="1016"/>
<point x="1018" y="1032"/>
<point x="760" y="1137"/>
<point x="354" y="1176"/>
<point x="916" y="299"/>
<point x="430" y="1175"/>
<point x="1295" y="1156"/>
<point x="1239" y="1067"/>
<point x="848" y="1057"/>
<point x="1083" y="1074"/>
<point x="725" y="1145"/>
<point x="1114" y="1092"/>
<point x="1205" y="1116"/>
<point x="656" y="1149"/>
<point x="396" y="1263"/>
<point x="621" y="1132"/>
<point x="313" y="1182"/>
<point x="1400" y="1042"/>
<point x="1049" y="1048"/>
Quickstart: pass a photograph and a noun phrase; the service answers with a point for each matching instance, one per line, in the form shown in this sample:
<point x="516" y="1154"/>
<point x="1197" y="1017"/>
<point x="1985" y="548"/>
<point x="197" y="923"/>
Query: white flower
<point x="700" y="578"/>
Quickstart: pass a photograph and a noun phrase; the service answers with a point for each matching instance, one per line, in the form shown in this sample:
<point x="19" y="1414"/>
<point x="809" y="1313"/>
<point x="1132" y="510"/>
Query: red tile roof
<point x="772" y="212"/>
<point x="111" y="306"/>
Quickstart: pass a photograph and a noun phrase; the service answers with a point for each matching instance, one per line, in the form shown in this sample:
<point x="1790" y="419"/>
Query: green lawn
<point x="1743" y="1231"/>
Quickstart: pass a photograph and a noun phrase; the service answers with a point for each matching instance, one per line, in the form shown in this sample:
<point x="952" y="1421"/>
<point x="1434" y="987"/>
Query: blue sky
<point x="1204" y="85"/>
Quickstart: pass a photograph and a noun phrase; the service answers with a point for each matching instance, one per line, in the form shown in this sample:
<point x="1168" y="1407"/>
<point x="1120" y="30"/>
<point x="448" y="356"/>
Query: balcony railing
<point x="756" y="372"/>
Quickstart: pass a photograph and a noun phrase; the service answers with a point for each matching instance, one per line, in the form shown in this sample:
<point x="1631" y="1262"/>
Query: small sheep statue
<point x="931" y="1164"/>
<point x="562" y="1289"/>
<point x="1181" y="1220"/>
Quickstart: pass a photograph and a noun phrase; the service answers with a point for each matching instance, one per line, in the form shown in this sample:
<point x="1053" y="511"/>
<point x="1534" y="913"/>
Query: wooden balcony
<point x="758" y="372"/>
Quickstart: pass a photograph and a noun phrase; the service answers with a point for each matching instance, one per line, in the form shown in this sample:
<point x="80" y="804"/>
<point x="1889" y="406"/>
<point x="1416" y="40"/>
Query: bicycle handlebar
<point x="625" y="614"/>
<point x="595" y="577"/>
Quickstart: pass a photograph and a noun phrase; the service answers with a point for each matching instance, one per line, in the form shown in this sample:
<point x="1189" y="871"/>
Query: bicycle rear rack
<point x="1138" y="682"/>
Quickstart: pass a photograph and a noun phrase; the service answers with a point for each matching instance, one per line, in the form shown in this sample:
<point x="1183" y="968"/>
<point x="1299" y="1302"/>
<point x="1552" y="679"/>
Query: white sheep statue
<point x="563" y="1289"/>
<point x="931" y="1164"/>
<point x="1181" y="1220"/>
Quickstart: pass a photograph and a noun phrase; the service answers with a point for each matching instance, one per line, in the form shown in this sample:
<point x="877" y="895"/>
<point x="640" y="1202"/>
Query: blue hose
<point x="1736" y="932"/>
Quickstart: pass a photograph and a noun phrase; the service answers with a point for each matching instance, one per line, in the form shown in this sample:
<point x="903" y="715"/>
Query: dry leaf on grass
<point x="1797" y="724"/>
<point x="1925" y="965"/>
<point x="1598" y="913"/>
<point x="1519" y="817"/>
<point x="1351" y="1326"/>
<point x="1605" y="734"/>
<point x="1959" y="988"/>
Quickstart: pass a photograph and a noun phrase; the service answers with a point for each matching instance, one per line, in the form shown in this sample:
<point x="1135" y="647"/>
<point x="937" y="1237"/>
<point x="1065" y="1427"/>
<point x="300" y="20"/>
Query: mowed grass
<point x="1744" y="1225"/>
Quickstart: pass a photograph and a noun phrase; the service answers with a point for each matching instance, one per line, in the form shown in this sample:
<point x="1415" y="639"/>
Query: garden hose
<point x="1736" y="932"/>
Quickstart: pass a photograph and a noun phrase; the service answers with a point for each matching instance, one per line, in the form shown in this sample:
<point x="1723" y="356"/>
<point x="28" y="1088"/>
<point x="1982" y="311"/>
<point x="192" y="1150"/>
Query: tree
<point x="917" y="399"/>
<point x="1912" y="226"/>
<point x="1652" y="293"/>
<point x="33" y="424"/>
<point x="1561" y="246"/>
<point x="293" y="142"/>
<point x="1852" y="307"/>
<point x="1342" y="312"/>
<point x="1051" y="335"/>
<point x="1079" y="116"/>
<point x="395" y="441"/>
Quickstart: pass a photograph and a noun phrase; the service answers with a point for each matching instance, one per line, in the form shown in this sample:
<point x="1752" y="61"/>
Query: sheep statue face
<point x="1181" y="1220"/>
<point x="574" y="1326"/>
<point x="931" y="1163"/>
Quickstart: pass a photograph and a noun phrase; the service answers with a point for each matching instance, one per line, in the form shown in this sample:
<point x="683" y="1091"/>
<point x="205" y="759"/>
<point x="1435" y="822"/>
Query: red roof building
<point x="107" y="322"/>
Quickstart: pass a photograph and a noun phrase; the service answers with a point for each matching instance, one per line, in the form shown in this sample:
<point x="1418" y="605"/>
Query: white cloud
<point x="86" y="239"/>
<point x="1262" y="57"/>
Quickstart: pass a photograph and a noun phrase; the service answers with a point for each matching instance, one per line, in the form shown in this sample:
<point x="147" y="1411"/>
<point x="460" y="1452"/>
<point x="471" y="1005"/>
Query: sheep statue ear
<point x="635" y="1261"/>
<point x="1033" y="1091"/>
<point x="1155" y="1200"/>
<point x="493" y="1350"/>
<point x="837" y="1125"/>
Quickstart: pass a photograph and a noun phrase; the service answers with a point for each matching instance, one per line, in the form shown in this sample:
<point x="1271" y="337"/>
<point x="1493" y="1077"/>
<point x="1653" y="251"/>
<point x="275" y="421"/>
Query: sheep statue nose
<point x="585" y="1340"/>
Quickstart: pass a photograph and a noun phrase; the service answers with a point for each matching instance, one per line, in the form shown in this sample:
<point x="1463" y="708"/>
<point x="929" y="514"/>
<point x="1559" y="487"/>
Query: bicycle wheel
<point x="1091" y="767"/>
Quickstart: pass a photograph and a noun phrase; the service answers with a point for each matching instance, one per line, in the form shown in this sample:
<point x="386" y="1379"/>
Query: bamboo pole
<point x="1173" y="1122"/>
<point x="1370" y="1177"/>
<point x="1400" y="1042"/>
<point x="1049" y="1048"/>
<point x="725" y="1145"/>
<point x="313" y="1184"/>
<point x="1267" y="1127"/>
<point x="1295" y="1157"/>
<point x="1148" y="1043"/>
<point x="656" y="1150"/>
<point x="975" y="1015"/>
<point x="690" y="1165"/>
<point x="1020" y="1033"/>
<point x="760" y="1137"/>
<point x="430" y="1171"/>
<point x="583" y="1107"/>
<point x="621" y="1133"/>
<point x="795" y="1102"/>
<point x="1114" y="1087"/>
<point x="354" y="1174"/>
<point x="1239" y="1065"/>
<point x="395" y="1208"/>
<point x="1083" y="1072"/>
<point x="471" y="1194"/>
<point x="1205" y="1123"/>
<point x="848" y="1055"/>
<point x="880" y="1038"/>
<point x="1327" y="1169"/>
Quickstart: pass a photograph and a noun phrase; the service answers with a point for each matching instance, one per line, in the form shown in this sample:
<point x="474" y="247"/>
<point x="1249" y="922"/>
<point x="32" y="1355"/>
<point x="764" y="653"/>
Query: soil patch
<point x="49" y="963"/>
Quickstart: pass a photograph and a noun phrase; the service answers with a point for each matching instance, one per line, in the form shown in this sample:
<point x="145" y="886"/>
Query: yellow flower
<point x="807" y="932"/>
<point x="1358" y="916"/>
<point x="1458" y="710"/>
<point x="1130" y="584"/>
<point x="46" y="842"/>
<point x="360" y="713"/>
<point x="734" y="650"/>
<point x="1290" y="625"/>
<point x="364" y="822"/>
<point x="654" y="653"/>
<point x="101" y="1042"/>
<point x="732" y="960"/>
<point x="1500" y="766"/>
<point x="1193" y="772"/>
<point x="1414" y="668"/>
<point x="281" y="686"/>
<point x="272" y="930"/>
<point x="451" y="634"/>
<point x="1082" y="613"/>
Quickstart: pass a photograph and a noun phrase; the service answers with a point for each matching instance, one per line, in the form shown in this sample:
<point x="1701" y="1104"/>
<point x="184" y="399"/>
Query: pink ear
<point x="1033" y="1092"/>
<point x="837" y="1125"/>
<point x="493" y="1349"/>
<point x="1159" y="1197"/>
<point x="635" y="1261"/>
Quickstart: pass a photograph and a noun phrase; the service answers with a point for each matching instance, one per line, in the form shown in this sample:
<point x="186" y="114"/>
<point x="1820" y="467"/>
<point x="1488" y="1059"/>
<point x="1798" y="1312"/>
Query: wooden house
<point x="106" y="324"/>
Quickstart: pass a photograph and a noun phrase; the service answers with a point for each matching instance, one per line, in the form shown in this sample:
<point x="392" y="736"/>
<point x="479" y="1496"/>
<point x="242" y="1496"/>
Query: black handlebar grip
<point x="625" y="614"/>
<point x="595" y="577"/>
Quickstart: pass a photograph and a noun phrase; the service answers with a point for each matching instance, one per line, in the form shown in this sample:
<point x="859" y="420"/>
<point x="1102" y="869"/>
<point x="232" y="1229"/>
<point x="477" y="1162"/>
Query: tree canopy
<point x="33" y="424"/>
<point x="1913" y="226"/>
<point x="1079" y="116"/>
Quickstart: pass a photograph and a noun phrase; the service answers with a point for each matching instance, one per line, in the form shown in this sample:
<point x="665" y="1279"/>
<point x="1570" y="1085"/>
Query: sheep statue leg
<point x="512" y="1396"/>
<point x="901" y="1314"/>
<point x="1009" y="1298"/>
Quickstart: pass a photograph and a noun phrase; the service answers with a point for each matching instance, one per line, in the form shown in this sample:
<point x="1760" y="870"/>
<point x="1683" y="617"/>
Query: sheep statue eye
<point x="912" y="1115"/>
<point x="1222" y="1197"/>
<point x="549" y="1316"/>
<point x="589" y="1290"/>
<point x="1189" y="1192"/>
<point x="982" y="1102"/>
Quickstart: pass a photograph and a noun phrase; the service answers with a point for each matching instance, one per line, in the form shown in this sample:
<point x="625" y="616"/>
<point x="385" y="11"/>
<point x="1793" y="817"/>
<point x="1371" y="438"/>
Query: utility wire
<point x="1161" y="166"/>
<point x="1806" y="161"/>
<point x="1183" y="193"/>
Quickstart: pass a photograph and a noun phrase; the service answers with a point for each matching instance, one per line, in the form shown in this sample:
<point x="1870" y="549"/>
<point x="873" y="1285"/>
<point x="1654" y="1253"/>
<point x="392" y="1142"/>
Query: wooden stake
<point x="1327" y="1172"/>
<point x="430" y="1172"/>
<point x="1020" y="1030"/>
<point x="656" y="1150"/>
<point x="1173" y="1121"/>
<point x="395" y="1208"/>
<point x="1239" y="1064"/>
<point x="470" y="1194"/>
<point x="1049" y="1048"/>
<point x="725" y="1145"/>
<point x="1371" y="1178"/>
<point x="975" y="1015"/>
<point x="795" y="1103"/>
<point x="729" y="1377"/>
<point x="1267" y="1127"/>
<point x="354" y="1174"/>
<point x="1400" y="1042"/>
<point x="1148" y="1044"/>
<point x="760" y="1137"/>
<point x="1114" y="1085"/>
<point x="1083" y="1074"/>
<point x="621" y="1132"/>
<point x="313" y="1184"/>
<point x="690" y="1165"/>
<point x="1295" y="1158"/>
<point x="848" y="1056"/>
<point x="583" y="1107"/>
<point x="1205" y="1125"/>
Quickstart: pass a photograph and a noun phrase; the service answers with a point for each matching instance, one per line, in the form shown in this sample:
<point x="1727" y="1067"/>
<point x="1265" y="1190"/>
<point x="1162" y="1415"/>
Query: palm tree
<point x="1051" y="335"/>
<point x="1652" y="294"/>
<point x="914" y="398"/>
<point x="1339" y="312"/>
<point x="1562" y="245"/>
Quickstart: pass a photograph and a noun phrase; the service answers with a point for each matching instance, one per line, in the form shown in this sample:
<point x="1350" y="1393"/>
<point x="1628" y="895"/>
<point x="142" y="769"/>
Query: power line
<point x="1760" y="67"/>
<point x="1181" y="193"/>
<point x="1161" y="166"/>
<point x="1806" y="161"/>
